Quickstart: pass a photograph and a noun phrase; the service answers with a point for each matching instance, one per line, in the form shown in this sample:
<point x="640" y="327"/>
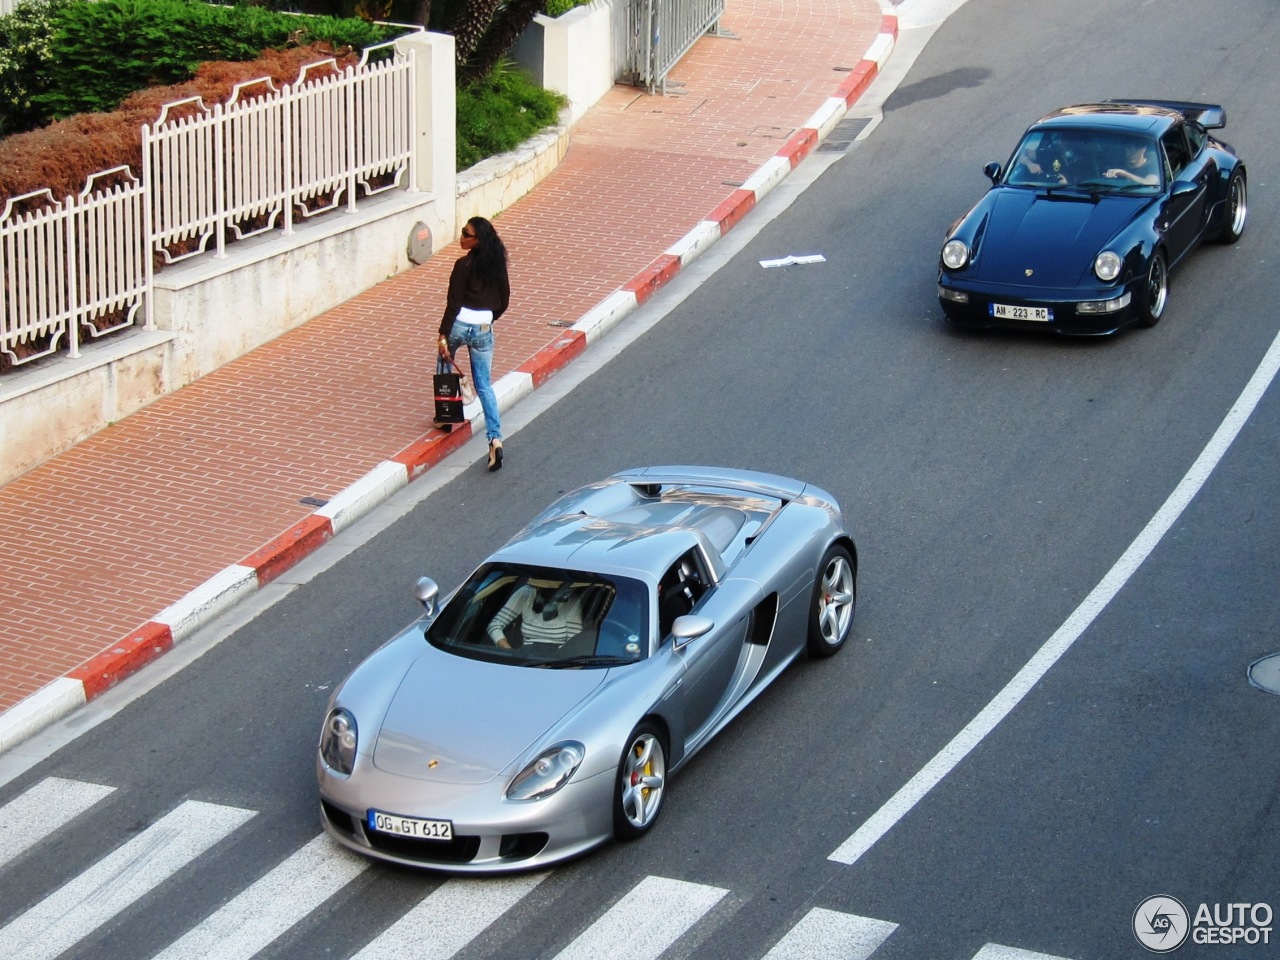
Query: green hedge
<point x="26" y="49"/>
<point x="556" y="8"/>
<point x="67" y="57"/>
<point x="106" y="50"/>
<point x="500" y="111"/>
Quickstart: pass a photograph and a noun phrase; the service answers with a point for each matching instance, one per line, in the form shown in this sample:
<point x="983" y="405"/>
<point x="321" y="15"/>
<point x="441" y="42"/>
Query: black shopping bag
<point x="447" y="386"/>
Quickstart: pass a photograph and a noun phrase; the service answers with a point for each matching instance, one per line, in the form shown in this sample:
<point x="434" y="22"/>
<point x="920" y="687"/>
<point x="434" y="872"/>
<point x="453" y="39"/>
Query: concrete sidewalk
<point x="126" y="544"/>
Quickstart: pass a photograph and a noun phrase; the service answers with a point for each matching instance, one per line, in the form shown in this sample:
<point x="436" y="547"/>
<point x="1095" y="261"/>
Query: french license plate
<point x="1004" y="311"/>
<point x="410" y="826"/>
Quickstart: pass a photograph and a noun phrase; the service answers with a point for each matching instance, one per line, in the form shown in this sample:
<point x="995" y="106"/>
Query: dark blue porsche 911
<point x="1082" y="226"/>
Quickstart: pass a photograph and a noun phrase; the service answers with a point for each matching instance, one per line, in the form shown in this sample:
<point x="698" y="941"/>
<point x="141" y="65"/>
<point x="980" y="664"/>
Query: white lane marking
<point x="946" y="760"/>
<point x="828" y="935"/>
<point x="271" y="905"/>
<point x="53" y="802"/>
<point x="993" y="951"/>
<point x="124" y="876"/>
<point x="453" y="915"/>
<point x="651" y="917"/>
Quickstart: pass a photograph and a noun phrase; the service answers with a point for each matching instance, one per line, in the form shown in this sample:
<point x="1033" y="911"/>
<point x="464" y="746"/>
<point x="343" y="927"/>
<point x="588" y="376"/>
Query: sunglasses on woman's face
<point x="468" y="236"/>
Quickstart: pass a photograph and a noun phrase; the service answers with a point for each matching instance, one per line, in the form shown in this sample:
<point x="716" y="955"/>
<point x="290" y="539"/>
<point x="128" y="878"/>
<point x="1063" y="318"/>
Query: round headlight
<point x="955" y="254"/>
<point x="338" y="741"/>
<point x="1107" y="266"/>
<point x="548" y="773"/>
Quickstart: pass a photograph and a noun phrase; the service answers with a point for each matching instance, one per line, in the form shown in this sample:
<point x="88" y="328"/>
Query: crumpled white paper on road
<point x="794" y="258"/>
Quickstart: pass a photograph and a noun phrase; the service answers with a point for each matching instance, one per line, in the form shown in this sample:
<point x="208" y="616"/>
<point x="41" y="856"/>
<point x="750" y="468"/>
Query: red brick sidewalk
<point x="95" y="543"/>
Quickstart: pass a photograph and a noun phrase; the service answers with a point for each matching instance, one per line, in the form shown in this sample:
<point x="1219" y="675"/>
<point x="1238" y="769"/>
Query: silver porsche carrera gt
<point x="540" y="710"/>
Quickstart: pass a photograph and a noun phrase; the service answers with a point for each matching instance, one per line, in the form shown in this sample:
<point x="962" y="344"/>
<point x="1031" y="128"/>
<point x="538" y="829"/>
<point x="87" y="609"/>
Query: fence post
<point x="349" y="144"/>
<point x="69" y="269"/>
<point x="220" y="177"/>
<point x="434" y="130"/>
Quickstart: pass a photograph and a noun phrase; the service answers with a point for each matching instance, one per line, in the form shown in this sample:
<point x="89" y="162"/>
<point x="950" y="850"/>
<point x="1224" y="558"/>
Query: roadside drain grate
<point x="843" y="134"/>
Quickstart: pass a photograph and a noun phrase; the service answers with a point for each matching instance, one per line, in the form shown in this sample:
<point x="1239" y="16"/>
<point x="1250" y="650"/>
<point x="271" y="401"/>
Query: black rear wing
<point x="1211" y="116"/>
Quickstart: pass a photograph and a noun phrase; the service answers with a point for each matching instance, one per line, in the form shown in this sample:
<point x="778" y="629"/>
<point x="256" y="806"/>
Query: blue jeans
<point x="479" y="346"/>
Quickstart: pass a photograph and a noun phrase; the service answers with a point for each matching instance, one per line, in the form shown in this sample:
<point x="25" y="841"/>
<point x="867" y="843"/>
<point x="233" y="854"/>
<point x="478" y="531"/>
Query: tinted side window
<point x="1197" y="135"/>
<point x="1176" y="150"/>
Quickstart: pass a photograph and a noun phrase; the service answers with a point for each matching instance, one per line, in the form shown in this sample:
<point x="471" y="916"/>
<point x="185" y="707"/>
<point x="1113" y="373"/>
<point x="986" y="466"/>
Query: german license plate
<point x="410" y="826"/>
<point x="1004" y="311"/>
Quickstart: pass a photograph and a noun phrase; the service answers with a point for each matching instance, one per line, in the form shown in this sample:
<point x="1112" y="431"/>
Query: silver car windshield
<point x="545" y="617"/>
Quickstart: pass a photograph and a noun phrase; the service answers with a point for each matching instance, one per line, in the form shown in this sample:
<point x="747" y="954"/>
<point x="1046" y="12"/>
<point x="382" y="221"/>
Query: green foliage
<point x="71" y="56"/>
<point x="103" y="51"/>
<point x="499" y="112"/>
<point x="557" y="7"/>
<point x="26" y="43"/>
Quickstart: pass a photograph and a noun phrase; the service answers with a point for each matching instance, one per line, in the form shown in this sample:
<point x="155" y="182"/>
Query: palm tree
<point x="503" y="32"/>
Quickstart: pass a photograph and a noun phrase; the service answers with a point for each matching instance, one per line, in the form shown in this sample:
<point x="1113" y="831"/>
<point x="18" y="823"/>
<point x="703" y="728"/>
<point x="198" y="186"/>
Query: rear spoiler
<point x="1211" y="116"/>
<point x="649" y="480"/>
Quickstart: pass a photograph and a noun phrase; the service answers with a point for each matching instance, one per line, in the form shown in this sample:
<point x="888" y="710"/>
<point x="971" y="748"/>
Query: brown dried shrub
<point x="63" y="155"/>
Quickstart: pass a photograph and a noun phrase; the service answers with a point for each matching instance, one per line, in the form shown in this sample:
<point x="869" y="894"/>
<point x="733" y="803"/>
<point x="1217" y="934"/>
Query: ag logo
<point x="1161" y="924"/>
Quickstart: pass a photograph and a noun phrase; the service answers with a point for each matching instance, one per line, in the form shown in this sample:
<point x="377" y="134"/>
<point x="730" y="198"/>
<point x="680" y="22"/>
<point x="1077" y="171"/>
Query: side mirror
<point x="690" y="627"/>
<point x="426" y="591"/>
<point x="1181" y="188"/>
<point x="993" y="171"/>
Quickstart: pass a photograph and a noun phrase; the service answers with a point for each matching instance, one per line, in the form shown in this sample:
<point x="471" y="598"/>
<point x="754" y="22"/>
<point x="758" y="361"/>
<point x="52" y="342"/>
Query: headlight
<point x="338" y="741"/>
<point x="1107" y="265"/>
<point x="548" y="773"/>
<point x="955" y="254"/>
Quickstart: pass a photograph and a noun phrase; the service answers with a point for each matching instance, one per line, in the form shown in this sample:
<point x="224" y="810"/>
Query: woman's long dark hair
<point x="489" y="255"/>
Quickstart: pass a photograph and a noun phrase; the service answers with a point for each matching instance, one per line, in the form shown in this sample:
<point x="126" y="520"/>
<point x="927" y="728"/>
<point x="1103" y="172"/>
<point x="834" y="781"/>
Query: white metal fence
<point x="83" y="266"/>
<point x="655" y="34"/>
<point x="72" y="269"/>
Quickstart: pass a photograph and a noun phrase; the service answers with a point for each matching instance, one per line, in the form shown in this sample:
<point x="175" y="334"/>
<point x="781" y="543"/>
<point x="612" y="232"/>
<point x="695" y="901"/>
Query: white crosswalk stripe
<point x="270" y="906"/>
<point x="993" y="951"/>
<point x="449" y="918"/>
<point x="648" y="919"/>
<point x="119" y="879"/>
<point x="830" y="935"/>
<point x="53" y="802"/>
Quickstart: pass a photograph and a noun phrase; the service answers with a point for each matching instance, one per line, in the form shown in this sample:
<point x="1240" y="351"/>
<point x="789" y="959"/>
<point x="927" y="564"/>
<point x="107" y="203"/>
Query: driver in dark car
<point x="1038" y="162"/>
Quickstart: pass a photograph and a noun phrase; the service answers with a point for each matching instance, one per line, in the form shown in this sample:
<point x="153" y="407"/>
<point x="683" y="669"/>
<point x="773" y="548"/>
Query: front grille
<point x="457" y="850"/>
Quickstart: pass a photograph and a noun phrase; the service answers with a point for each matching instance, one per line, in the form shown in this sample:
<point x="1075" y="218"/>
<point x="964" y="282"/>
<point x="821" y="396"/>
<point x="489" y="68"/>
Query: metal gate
<point x="654" y="34"/>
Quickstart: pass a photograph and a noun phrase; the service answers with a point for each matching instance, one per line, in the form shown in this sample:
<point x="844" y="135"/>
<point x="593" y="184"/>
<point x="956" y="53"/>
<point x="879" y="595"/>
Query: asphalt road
<point x="992" y="480"/>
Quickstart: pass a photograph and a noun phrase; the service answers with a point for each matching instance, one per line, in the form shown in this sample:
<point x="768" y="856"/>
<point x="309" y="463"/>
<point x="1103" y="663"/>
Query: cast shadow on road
<point x="933" y="87"/>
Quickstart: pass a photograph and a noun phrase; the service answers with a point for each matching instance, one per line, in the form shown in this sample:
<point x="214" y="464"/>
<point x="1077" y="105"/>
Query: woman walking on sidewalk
<point x="478" y="295"/>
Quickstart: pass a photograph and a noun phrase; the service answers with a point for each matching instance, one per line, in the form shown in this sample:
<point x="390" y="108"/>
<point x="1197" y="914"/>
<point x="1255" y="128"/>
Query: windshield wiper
<point x="588" y="660"/>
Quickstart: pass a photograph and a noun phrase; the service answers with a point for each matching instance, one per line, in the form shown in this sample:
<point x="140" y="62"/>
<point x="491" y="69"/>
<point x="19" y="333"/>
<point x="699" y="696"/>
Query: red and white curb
<point x="231" y="585"/>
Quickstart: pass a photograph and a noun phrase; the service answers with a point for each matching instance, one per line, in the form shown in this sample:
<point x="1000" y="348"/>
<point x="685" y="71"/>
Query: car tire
<point x="641" y="783"/>
<point x="1237" y="210"/>
<point x="835" y="595"/>
<point x="1155" y="291"/>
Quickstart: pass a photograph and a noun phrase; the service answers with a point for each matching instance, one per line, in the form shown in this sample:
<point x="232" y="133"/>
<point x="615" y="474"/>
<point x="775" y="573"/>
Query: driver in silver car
<point x="547" y="615"/>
